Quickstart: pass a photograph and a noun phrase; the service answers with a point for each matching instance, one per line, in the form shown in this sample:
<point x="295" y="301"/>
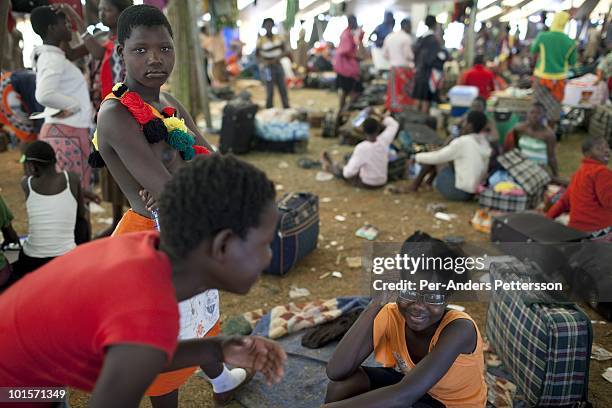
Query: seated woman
<point x="536" y="141"/>
<point x="54" y="202"/>
<point x="431" y="356"/>
<point x="461" y="165"/>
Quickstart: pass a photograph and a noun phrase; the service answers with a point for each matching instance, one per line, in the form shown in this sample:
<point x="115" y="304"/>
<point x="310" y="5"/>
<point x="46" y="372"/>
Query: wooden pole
<point x="187" y="80"/>
<point x="180" y="80"/>
<point x="204" y="102"/>
<point x="470" y="39"/>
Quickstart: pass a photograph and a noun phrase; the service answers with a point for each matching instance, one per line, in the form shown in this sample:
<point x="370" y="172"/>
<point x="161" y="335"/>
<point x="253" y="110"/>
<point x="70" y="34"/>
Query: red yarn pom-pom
<point x="141" y="112"/>
<point x="201" y="150"/>
<point x="168" y="112"/>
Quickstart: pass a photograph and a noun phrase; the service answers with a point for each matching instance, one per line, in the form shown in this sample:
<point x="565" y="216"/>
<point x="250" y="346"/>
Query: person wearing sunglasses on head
<point x="431" y="356"/>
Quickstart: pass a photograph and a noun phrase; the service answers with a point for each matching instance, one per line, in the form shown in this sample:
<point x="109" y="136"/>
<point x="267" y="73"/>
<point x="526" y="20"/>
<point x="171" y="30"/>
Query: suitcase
<point x="237" y="127"/>
<point x="543" y="343"/>
<point x="329" y="124"/>
<point x="591" y="276"/>
<point x="507" y="203"/>
<point x="600" y="123"/>
<point x="297" y="231"/>
<point x="532" y="227"/>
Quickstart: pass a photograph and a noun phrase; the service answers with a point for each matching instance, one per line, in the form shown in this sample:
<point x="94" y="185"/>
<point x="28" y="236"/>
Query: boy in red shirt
<point x="104" y="317"/>
<point x="480" y="77"/>
<point x="588" y="199"/>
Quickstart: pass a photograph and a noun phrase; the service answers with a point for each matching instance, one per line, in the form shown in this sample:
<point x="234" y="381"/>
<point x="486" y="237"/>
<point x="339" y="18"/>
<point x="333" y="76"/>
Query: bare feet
<point x="411" y="188"/>
<point x="326" y="161"/>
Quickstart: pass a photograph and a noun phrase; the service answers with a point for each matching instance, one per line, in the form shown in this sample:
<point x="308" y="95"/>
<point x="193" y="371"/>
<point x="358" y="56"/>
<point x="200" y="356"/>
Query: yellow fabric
<point x="504" y="186"/>
<point x="463" y="385"/>
<point x="559" y="21"/>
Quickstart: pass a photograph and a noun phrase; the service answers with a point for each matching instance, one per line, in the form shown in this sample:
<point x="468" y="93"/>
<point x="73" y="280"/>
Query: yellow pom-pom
<point x="94" y="141"/>
<point x="175" y="123"/>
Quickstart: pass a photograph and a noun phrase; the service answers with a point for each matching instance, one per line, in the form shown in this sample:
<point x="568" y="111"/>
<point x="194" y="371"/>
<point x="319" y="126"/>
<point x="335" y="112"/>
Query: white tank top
<point x="51" y="220"/>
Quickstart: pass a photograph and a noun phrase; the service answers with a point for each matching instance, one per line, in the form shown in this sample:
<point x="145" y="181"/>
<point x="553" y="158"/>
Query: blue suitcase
<point x="297" y="231"/>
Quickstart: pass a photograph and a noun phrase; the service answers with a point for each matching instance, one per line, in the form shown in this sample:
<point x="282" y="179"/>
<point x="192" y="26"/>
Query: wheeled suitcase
<point x="329" y="124"/>
<point x="237" y="127"/>
<point x="297" y="231"/>
<point x="532" y="227"/>
<point x="544" y="344"/>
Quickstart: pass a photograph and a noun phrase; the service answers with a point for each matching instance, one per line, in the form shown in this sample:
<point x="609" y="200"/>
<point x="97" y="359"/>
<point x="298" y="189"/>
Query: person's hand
<point x="147" y="198"/>
<point x="72" y="15"/>
<point x="89" y="196"/>
<point x="383" y="297"/>
<point x="66" y="113"/>
<point x="258" y="354"/>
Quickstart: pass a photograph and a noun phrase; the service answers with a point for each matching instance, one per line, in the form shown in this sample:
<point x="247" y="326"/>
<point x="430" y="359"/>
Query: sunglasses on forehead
<point x="412" y="296"/>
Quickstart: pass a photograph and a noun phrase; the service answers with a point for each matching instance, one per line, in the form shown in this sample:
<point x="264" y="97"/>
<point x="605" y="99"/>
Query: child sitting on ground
<point x="536" y="141"/>
<point x="431" y="356"/>
<point x="368" y="165"/>
<point x="465" y="162"/>
<point x="588" y="198"/>
<point x="9" y="237"/>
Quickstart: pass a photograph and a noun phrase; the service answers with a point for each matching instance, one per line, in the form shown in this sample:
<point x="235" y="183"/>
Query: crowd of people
<point x="193" y="210"/>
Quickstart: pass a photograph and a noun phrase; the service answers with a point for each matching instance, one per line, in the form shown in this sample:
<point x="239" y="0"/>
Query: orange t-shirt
<point x="463" y="386"/>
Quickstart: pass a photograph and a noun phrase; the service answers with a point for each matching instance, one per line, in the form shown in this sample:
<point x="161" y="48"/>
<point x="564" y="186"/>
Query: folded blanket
<point x="293" y="317"/>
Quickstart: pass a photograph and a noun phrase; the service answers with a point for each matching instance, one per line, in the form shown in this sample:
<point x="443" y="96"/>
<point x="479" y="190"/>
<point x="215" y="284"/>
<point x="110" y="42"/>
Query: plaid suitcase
<point x="298" y="231"/>
<point x="507" y="203"/>
<point x="544" y="345"/>
<point x="600" y="123"/>
<point x="529" y="175"/>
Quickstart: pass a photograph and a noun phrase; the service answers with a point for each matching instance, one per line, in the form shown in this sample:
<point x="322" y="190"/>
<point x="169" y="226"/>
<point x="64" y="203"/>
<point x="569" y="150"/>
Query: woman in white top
<point x="460" y="166"/>
<point x="61" y="88"/>
<point x="54" y="203"/>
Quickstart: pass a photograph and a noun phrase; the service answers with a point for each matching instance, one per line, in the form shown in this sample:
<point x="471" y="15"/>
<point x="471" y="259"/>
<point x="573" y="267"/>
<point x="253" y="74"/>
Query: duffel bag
<point x="297" y="231"/>
<point x="544" y="344"/>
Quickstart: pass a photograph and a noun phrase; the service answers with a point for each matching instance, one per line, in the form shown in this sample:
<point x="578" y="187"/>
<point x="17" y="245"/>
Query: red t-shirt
<point x="57" y="321"/>
<point x="588" y="198"/>
<point x="481" y="78"/>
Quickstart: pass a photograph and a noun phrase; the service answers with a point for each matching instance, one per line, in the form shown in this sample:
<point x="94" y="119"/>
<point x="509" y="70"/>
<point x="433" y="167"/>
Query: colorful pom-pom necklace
<point x="156" y="126"/>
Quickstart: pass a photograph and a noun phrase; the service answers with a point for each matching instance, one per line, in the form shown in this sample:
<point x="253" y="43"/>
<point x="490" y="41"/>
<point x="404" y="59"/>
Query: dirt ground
<point x="395" y="216"/>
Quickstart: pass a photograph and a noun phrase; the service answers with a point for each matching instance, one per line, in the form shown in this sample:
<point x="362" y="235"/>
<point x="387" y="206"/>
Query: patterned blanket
<point x="293" y="317"/>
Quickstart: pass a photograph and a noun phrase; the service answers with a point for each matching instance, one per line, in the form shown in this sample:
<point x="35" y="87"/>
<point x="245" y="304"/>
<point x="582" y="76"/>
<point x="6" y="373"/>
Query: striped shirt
<point x="271" y="48"/>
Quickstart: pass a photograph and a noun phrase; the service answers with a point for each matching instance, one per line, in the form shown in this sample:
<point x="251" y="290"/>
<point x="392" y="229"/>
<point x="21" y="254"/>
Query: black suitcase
<point x="329" y="124"/>
<point x="531" y="227"/>
<point x="238" y="127"/>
